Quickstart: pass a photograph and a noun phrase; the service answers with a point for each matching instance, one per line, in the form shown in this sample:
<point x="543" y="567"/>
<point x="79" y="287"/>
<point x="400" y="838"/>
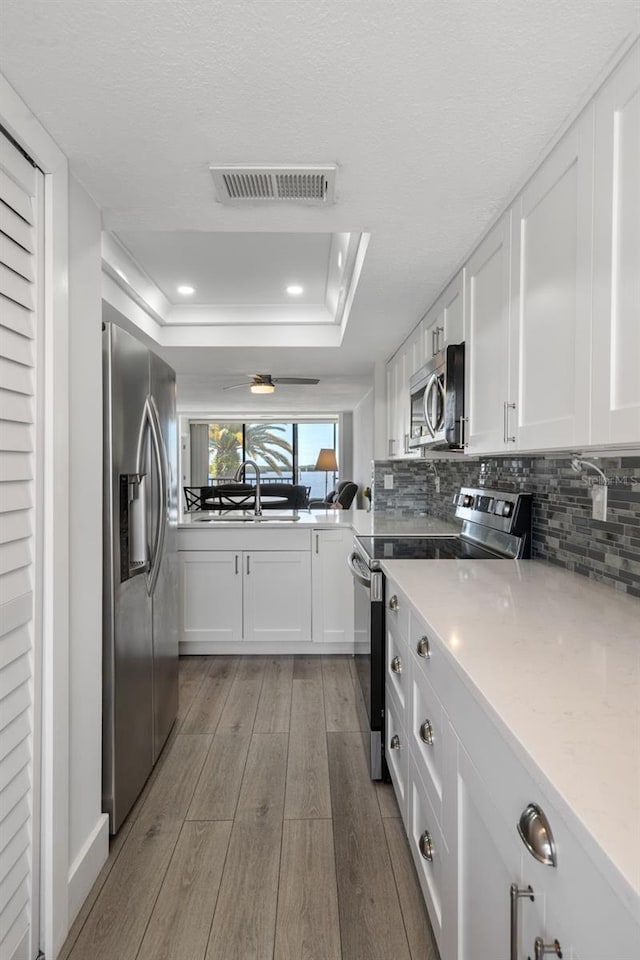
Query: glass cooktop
<point x="423" y="548"/>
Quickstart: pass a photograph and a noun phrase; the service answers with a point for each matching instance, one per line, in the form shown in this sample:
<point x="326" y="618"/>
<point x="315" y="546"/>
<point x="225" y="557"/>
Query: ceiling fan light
<point x="262" y="388"/>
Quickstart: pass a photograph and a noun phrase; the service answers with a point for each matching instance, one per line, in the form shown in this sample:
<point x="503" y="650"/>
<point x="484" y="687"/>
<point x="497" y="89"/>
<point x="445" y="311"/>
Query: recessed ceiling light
<point x="294" y="290"/>
<point x="185" y="290"/>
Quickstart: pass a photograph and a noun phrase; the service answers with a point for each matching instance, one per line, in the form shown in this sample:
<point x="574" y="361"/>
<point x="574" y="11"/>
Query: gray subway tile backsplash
<point x="563" y="531"/>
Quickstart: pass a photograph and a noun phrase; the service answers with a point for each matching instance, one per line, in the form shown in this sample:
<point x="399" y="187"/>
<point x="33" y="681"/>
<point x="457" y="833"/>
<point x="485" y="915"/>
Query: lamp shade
<point x="326" y="459"/>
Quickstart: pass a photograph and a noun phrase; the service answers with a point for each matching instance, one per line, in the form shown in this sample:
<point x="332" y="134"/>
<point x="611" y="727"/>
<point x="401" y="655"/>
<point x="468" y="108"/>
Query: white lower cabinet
<point x="461" y="794"/>
<point x="396" y="747"/>
<point x="258" y="595"/>
<point x="332" y="593"/>
<point x="488" y="860"/>
<point x="277" y="596"/>
<point x="431" y="857"/>
<point x="211" y="595"/>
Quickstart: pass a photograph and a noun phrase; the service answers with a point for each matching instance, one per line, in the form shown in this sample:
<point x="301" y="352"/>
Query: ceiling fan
<point x="265" y="383"/>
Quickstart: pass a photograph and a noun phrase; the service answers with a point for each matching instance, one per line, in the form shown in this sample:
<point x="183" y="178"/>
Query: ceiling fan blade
<point x="235" y="386"/>
<point x="300" y="380"/>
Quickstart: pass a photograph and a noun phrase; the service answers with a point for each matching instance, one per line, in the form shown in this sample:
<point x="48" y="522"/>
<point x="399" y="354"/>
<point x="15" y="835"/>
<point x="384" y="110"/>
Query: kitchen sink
<point x="237" y="517"/>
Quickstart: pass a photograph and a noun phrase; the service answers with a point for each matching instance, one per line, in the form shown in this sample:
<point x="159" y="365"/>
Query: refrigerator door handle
<point x="151" y="422"/>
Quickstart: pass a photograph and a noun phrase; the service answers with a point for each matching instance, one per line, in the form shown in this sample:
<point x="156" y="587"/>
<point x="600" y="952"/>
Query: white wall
<point x="363" y="443"/>
<point x="88" y="828"/>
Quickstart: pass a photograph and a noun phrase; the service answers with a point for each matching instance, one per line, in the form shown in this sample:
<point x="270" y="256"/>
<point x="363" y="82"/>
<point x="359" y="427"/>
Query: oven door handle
<point x="353" y="562"/>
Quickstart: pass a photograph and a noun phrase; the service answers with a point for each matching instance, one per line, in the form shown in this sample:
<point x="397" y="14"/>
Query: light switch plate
<point x="388" y="481"/>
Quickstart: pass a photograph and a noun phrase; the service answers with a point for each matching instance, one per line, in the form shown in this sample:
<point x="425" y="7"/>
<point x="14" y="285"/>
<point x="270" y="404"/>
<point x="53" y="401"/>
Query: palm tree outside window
<point x="284" y="451"/>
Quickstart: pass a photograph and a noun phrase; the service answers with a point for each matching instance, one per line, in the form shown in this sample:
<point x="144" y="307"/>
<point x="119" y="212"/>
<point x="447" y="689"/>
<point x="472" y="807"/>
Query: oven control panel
<point x="509" y="512"/>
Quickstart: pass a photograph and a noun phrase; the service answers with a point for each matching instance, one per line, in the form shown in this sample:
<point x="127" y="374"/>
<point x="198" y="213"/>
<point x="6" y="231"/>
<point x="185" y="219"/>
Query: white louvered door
<point x="21" y="264"/>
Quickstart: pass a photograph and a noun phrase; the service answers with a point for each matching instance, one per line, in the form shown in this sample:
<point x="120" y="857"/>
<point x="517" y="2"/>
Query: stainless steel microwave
<point x="437" y="401"/>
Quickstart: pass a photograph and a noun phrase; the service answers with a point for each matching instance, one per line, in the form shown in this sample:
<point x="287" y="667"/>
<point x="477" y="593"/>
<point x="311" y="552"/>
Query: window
<point x="285" y="451"/>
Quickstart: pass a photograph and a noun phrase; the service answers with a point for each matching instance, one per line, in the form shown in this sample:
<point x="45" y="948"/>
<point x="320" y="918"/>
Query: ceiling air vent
<point x="304" y="183"/>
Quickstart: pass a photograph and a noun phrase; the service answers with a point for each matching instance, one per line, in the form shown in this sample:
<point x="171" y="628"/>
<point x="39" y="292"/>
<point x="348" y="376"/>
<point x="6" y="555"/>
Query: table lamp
<point x="326" y="461"/>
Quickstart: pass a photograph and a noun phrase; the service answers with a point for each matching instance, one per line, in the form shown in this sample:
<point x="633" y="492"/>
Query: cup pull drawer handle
<point x="426" y="732"/>
<point x="396" y="665"/>
<point x="424" y="648"/>
<point x="425" y="845"/>
<point x="393" y="603"/>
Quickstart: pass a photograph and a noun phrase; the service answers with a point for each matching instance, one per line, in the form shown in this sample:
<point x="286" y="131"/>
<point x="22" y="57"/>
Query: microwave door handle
<point x="353" y="563"/>
<point x="441" y="396"/>
<point x="427" y="404"/>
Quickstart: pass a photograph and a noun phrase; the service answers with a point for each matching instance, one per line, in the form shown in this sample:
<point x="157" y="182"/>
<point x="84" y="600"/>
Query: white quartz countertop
<point x="555" y="659"/>
<point x="362" y="522"/>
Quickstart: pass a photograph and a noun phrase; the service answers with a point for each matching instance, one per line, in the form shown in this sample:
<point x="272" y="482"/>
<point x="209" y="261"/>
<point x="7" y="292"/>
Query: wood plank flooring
<point x="259" y="835"/>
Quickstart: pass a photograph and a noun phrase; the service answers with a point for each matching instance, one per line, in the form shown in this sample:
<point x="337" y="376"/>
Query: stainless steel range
<point x="495" y="526"/>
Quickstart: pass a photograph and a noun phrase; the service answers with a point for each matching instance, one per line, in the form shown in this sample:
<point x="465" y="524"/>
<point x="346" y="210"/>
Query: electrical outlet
<point x="599" y="498"/>
<point x="436" y="483"/>
<point x="388" y="481"/>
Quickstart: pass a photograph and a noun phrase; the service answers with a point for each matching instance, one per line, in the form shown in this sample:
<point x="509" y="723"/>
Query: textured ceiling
<point x="434" y="110"/>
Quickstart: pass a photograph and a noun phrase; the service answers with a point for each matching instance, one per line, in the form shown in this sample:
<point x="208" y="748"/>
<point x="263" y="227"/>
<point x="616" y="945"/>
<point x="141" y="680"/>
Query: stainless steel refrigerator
<point x="140" y="612"/>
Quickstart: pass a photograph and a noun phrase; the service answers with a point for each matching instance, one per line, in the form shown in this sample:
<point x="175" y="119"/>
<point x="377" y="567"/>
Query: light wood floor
<point x="259" y="835"/>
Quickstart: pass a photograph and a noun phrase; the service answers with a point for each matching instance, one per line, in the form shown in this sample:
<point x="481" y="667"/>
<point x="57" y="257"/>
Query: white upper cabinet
<point x="486" y="313"/>
<point x="444" y="322"/>
<point x="400" y="369"/>
<point x="616" y="280"/>
<point x="550" y="323"/>
<point x="551" y="306"/>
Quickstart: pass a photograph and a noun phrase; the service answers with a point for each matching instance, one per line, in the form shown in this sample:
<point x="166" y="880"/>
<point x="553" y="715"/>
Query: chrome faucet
<point x="238" y="474"/>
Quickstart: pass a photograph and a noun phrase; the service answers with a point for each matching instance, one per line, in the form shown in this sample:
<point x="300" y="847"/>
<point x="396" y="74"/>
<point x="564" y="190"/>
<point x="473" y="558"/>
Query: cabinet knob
<point x="424" y="648"/>
<point x="426" y="732"/>
<point x="393" y="602"/>
<point x="425" y="845"/>
<point x="395" y="742"/>
<point x="396" y="665"/>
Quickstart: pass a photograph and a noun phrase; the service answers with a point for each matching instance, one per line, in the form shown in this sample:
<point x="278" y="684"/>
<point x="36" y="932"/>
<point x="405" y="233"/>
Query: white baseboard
<point x="255" y="648"/>
<point x="84" y="870"/>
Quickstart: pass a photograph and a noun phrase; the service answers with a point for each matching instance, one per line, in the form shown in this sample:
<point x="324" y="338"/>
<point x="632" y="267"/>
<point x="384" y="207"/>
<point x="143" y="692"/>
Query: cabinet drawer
<point x="426" y="736"/>
<point x="397" y="751"/>
<point x="430" y="659"/>
<point x="397" y="611"/>
<point x="397" y="661"/>
<point x="215" y="536"/>
<point x="425" y="837"/>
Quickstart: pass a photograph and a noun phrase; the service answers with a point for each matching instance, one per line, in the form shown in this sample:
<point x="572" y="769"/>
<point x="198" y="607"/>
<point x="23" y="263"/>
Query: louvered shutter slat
<point x="16" y="258"/>
<point x="15" y="197"/>
<point x="13" y="346"/>
<point x="15" y="496"/>
<point x="16" y="407"/>
<point x="16" y="525"/>
<point x="12" y="556"/>
<point x="18" y="168"/>
<point x="14" y="584"/>
<point x="15" y="466"/>
<point x="16" y="317"/>
<point x="13" y="705"/>
<point x="16" y="437"/>
<point x="15" y="227"/>
<point x="16" y="287"/>
<point x="20" y="278"/>
<point x="13" y="646"/>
